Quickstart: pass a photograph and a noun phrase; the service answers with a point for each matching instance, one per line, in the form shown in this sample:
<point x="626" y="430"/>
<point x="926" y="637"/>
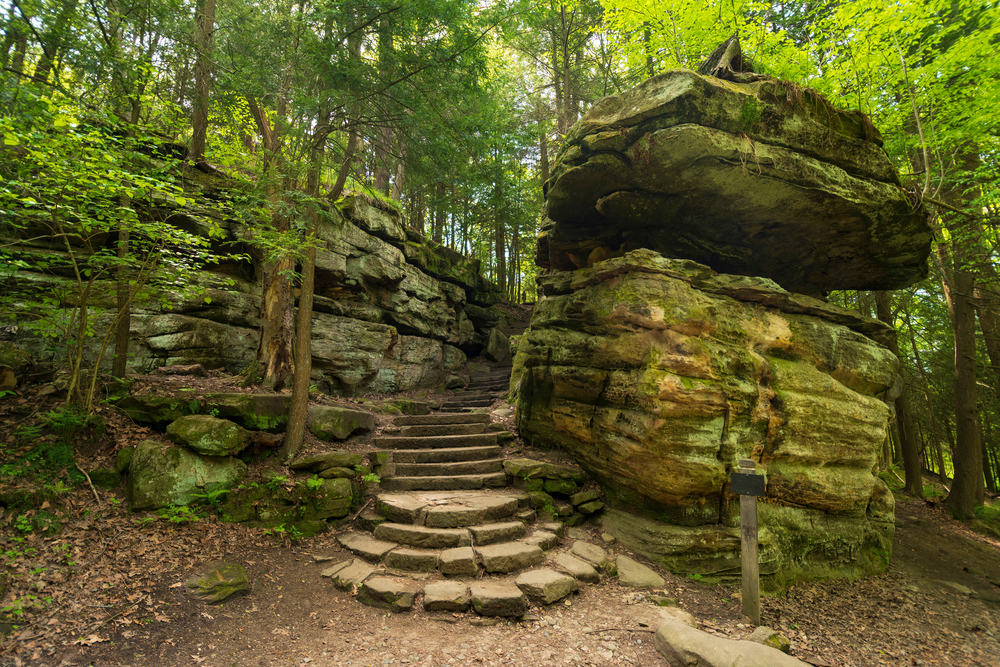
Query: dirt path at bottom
<point x="124" y="604"/>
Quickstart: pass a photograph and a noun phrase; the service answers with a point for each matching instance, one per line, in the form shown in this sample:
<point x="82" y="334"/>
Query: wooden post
<point x="748" y="549"/>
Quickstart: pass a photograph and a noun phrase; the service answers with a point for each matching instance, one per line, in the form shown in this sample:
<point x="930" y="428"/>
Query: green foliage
<point x="179" y="514"/>
<point x="77" y="182"/>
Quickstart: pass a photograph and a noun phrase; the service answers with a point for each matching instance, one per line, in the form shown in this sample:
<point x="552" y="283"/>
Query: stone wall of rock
<point x="393" y="311"/>
<point x="657" y="375"/>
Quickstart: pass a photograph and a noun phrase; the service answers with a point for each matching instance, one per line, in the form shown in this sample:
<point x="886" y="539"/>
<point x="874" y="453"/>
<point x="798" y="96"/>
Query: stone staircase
<point x="447" y="524"/>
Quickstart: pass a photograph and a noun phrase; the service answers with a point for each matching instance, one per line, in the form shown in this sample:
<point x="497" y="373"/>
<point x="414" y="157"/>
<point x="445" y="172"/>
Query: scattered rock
<point x="636" y="575"/>
<point x="162" y="475"/>
<point x="683" y="646"/>
<point x="768" y="637"/>
<point x="218" y="581"/>
<point x="591" y="553"/>
<point x="318" y="462"/>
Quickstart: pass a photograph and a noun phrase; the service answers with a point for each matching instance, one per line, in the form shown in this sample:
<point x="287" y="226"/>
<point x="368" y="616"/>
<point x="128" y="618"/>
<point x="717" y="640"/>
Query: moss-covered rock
<point x="218" y="581"/>
<point x="123" y="459"/>
<point x="323" y="460"/>
<point x="105" y="478"/>
<point x="209" y="435"/>
<point x="331" y="422"/>
<point x="164" y="475"/>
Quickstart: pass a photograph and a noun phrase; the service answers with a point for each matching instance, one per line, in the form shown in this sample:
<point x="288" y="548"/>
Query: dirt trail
<point x="128" y="607"/>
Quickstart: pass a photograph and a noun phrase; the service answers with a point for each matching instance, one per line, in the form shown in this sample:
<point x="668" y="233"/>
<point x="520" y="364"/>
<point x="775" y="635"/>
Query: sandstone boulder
<point x="657" y="376"/>
<point x="757" y="179"/>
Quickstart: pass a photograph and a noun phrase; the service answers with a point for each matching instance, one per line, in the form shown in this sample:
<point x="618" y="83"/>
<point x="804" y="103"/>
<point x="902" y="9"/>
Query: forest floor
<point x="108" y="590"/>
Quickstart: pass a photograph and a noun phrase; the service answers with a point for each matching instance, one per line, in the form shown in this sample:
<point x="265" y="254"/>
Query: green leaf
<point x="10" y="139"/>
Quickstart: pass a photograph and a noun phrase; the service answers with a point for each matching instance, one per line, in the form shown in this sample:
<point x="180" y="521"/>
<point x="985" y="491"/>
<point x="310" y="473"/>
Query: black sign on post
<point x="744" y="484"/>
<point x="749" y="485"/>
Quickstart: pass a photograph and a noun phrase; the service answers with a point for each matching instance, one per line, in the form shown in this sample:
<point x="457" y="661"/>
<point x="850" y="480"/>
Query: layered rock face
<point x="658" y="375"/>
<point x="392" y="311"/>
<point x="758" y="179"/>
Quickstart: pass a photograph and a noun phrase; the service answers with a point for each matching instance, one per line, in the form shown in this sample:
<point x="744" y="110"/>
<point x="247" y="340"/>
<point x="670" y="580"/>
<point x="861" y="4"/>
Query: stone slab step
<point x="443" y="455"/>
<point x="365" y="546"/>
<point x="413" y="560"/>
<point x="422" y="430"/>
<point x="509" y="556"/>
<point x="473" y="512"/>
<point x="577" y="568"/>
<point x="546" y="586"/>
<point x="450" y="596"/>
<point x="497" y="532"/>
<point x="425" y="538"/>
<point x="498" y="599"/>
<point x="459" y="562"/>
<point x="448" y="469"/>
<point x="413" y="420"/>
<point x="446" y="483"/>
<point x="396" y="595"/>
<point x="437" y="441"/>
<point x="446" y="509"/>
<point x="349" y="573"/>
<point x="470" y="403"/>
<point x="492" y="387"/>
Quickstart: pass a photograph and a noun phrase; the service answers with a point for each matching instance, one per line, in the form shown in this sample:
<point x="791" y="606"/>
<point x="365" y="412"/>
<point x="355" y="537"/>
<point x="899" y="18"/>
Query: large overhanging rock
<point x="758" y="179"/>
<point x="657" y="375"/>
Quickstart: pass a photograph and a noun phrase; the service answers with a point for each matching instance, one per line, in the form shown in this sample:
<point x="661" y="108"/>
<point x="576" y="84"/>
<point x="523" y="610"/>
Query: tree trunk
<point x="914" y="484"/>
<point x="967" y="489"/>
<point x="298" y="413"/>
<point x="204" y="29"/>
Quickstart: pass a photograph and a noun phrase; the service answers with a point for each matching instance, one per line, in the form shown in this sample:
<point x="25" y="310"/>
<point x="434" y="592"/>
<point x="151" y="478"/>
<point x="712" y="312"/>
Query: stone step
<point x="366" y="546"/>
<point x="436" y="441"/>
<point x="498" y="598"/>
<point x="421" y="537"/>
<point x="484" y="467"/>
<point x="445" y="483"/>
<point x="494" y="533"/>
<point x="423" y="430"/>
<point x="469" y="403"/>
<point x="442" y="455"/>
<point x="413" y="560"/>
<point x="412" y="420"/>
<point x="446" y="509"/>
<point x="487" y="379"/>
<point x="509" y="556"/>
<point x="493" y="388"/>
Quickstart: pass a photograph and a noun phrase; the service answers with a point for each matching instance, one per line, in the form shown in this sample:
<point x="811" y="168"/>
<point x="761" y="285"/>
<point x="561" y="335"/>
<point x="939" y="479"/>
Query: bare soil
<point x="108" y="590"/>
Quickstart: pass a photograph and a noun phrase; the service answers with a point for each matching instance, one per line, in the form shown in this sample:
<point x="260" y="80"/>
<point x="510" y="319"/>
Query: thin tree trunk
<point x="298" y="413"/>
<point x="204" y="29"/>
<point x="967" y="490"/>
<point x="914" y="484"/>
